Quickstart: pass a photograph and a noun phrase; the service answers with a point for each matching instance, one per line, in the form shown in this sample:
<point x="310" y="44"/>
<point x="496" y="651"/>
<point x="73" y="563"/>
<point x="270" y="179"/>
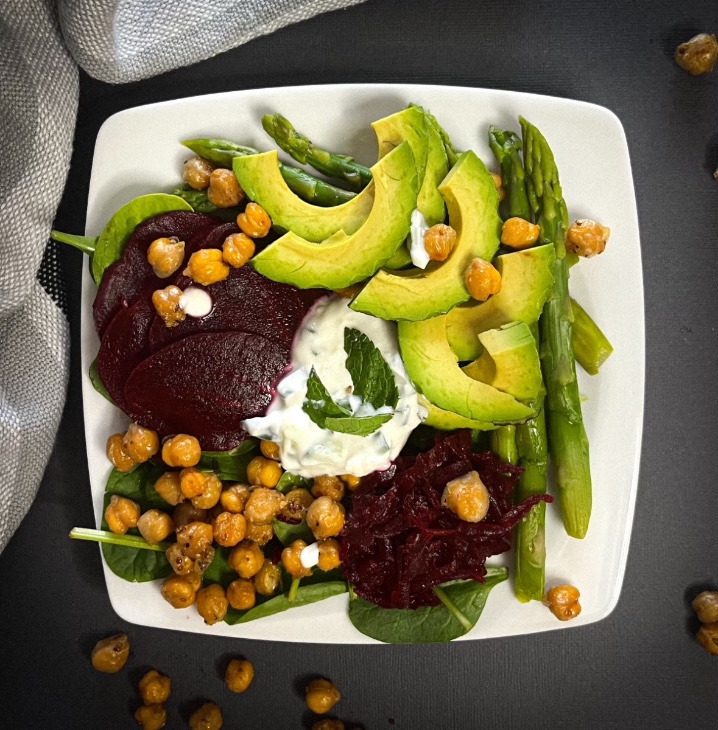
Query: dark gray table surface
<point x="638" y="668"/>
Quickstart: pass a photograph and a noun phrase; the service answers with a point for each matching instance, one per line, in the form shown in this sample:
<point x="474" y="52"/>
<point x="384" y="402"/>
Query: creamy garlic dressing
<point x="195" y="302"/>
<point x="310" y="451"/>
<point x="417" y="249"/>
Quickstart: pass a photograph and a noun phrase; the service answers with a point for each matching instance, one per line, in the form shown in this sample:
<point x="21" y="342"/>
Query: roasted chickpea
<point x="328" y="723"/>
<point x="264" y="505"/>
<point x="181" y="450"/>
<point x="155" y="526"/>
<point x="255" y="221"/>
<point x="194" y="538"/>
<point x="204" y="559"/>
<point x="291" y="560"/>
<point x="439" y="241"/>
<point x="246" y="559"/>
<point x="151" y="717"/>
<point x="117" y="454"/>
<point x="241" y="594"/>
<point x="332" y="487"/>
<point x="224" y="189"/>
<point x="467" y="497"/>
<point x="206" y="266"/>
<point x="263" y="472"/>
<point x="298" y="501"/>
<point x="186" y="512"/>
<point x="498" y="182"/>
<point x="321" y="696"/>
<point x="519" y="233"/>
<point x="229" y="528"/>
<point x="154" y="688"/>
<point x="482" y="280"/>
<point x="328" y="555"/>
<point x="706" y="607"/>
<point x="212" y="603"/>
<point x="209" y="496"/>
<point x="325" y="517"/>
<point x="587" y="238"/>
<point x="207" y="717"/>
<point x="698" y="55"/>
<point x="237" y="249"/>
<point x="121" y="514"/>
<point x="269" y="450"/>
<point x="196" y="173"/>
<point x="353" y="483"/>
<point x="234" y="498"/>
<point x="192" y="483"/>
<point x="563" y="603"/>
<point x="180" y="563"/>
<point x="165" y="256"/>
<point x="707" y="637"/>
<point x="168" y="487"/>
<point x="110" y="654"/>
<point x="239" y="675"/>
<point x="261" y="534"/>
<point x="167" y="305"/>
<point x="267" y="581"/>
<point x="179" y="591"/>
<point x="140" y="443"/>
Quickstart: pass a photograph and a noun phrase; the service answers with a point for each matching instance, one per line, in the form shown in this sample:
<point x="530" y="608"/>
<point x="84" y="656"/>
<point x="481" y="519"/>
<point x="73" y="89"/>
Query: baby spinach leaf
<point x="219" y="570"/>
<point x="97" y="384"/>
<point x="358" y="426"/>
<point x="111" y="242"/>
<point x="230" y="466"/>
<point x="429" y="624"/>
<point x="289" y="481"/>
<point x="200" y="203"/>
<point x="318" y="404"/>
<point x="373" y="379"/>
<point x="287" y="534"/>
<point x="138" y="485"/>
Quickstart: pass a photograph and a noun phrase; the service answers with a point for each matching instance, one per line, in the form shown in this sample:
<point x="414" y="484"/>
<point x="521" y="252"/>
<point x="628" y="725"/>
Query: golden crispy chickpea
<point x="234" y="498"/>
<point x="121" y="514"/>
<point x="269" y="450"/>
<point x="155" y="526"/>
<point x="246" y="559"/>
<point x="186" y="512"/>
<point x="151" y="717"/>
<point x="206" y="266"/>
<point x="254" y="222"/>
<point x="298" y="501"/>
<point x="291" y="560"/>
<point x="194" y="537"/>
<point x="229" y="528"/>
<point x="321" y="696"/>
<point x="325" y="517"/>
<point x="705" y="605"/>
<point x="328" y="555"/>
<point x="179" y="591"/>
<point x="587" y="238"/>
<point x="353" y="483"/>
<point x="326" y="486"/>
<point x="209" y="497"/>
<point x="264" y="505"/>
<point x="180" y="563"/>
<point x="224" y="189"/>
<point x="498" y="182"/>
<point x="239" y="675"/>
<point x="519" y="233"/>
<point x="140" y="443"/>
<point x="261" y="534"/>
<point x="267" y="581"/>
<point x="192" y="483"/>
<point x="698" y="55"/>
<point x="181" y="450"/>
<point x="196" y="172"/>
<point x="707" y="637"/>
<point x="167" y="305"/>
<point x="563" y="603"/>
<point x="207" y="717"/>
<point x="439" y="241"/>
<point x="117" y="454"/>
<point x="482" y="280"/>
<point x="263" y="472"/>
<point x="154" y="688"/>
<point x="165" y="256"/>
<point x="467" y="497"/>
<point x="168" y="487"/>
<point x="212" y="603"/>
<point x="241" y="594"/>
<point x="328" y="723"/>
<point x="237" y="249"/>
<point x="111" y="654"/>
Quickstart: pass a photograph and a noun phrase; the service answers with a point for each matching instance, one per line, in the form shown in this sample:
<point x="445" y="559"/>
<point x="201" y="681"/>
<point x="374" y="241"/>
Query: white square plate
<point x="138" y="152"/>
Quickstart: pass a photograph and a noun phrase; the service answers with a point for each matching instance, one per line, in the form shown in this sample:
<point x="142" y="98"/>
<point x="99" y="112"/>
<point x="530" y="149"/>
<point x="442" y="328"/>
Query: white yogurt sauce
<point x="310" y="451"/>
<point x="195" y="302"/>
<point x="417" y="249"/>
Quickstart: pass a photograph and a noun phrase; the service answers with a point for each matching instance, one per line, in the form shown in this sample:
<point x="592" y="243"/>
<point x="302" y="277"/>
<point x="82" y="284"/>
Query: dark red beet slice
<point x="123" y="281"/>
<point x="205" y="385"/>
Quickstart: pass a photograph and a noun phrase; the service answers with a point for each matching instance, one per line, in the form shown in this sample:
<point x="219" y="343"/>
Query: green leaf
<point x="97" y="384"/>
<point x="287" y="534"/>
<point x="86" y="244"/>
<point x="111" y="242"/>
<point x="289" y="481"/>
<point x="318" y="404"/>
<point x="373" y="379"/>
<point x="219" y="570"/>
<point x="230" y="466"/>
<point x="430" y="624"/>
<point x="362" y="426"/>
<point x="138" y="485"/>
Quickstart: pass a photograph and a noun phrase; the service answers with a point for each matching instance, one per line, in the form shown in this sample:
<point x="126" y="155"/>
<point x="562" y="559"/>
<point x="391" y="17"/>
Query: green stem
<point x="453" y="608"/>
<point x="134" y="541"/>
<point x="291" y="596"/>
<point x="591" y="347"/>
<point x="86" y="244"/>
<point x="503" y="443"/>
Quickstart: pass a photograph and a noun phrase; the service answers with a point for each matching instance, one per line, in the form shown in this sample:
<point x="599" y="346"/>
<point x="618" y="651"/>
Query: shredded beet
<point x="399" y="542"/>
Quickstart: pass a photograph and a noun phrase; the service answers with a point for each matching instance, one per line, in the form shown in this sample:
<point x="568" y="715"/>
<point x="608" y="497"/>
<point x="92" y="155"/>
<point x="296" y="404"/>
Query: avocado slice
<point x="430" y="203"/>
<point x="260" y="178"/>
<point x="416" y="294"/>
<point x="526" y="282"/>
<point x="509" y="362"/>
<point x="406" y="125"/>
<point x="448" y="421"/>
<point x="339" y="263"/>
<point x="435" y="372"/>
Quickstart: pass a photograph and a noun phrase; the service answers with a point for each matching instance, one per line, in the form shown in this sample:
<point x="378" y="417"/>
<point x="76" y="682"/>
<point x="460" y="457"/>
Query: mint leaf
<point x="362" y="426"/>
<point x="318" y="404"/>
<point x="372" y="377"/>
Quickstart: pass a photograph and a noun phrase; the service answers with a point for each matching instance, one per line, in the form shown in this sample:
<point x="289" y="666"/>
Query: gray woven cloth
<point x="41" y="41"/>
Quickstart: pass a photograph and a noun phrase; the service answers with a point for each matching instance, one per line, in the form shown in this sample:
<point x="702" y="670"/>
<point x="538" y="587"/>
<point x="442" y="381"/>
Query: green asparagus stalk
<point x="221" y="152"/>
<point x="591" y="347"/>
<point x="503" y="443"/>
<point x="567" y="435"/>
<point x="506" y="147"/>
<point x="331" y="164"/>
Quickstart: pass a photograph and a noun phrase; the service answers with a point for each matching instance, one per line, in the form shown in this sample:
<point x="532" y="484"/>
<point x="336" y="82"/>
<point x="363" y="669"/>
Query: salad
<point x="336" y="386"/>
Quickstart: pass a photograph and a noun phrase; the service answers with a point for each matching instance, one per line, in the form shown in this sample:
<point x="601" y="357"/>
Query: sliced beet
<point x="123" y="281"/>
<point x="206" y="385"/>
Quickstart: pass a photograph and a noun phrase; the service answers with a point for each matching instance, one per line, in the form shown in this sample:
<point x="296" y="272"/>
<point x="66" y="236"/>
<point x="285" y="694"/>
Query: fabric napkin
<point x="41" y="44"/>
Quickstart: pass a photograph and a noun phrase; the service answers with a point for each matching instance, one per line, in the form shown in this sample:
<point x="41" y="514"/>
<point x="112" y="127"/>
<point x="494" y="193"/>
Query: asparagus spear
<point x="567" y="435"/>
<point x="221" y="152"/>
<point x="506" y="147"/>
<point x="503" y="443"/>
<point x="591" y="347"/>
<point x="302" y="150"/>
